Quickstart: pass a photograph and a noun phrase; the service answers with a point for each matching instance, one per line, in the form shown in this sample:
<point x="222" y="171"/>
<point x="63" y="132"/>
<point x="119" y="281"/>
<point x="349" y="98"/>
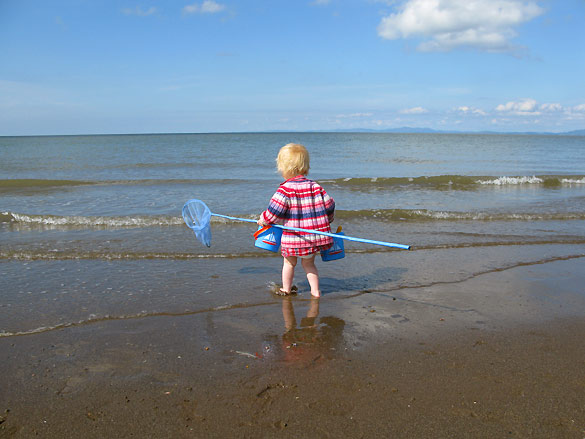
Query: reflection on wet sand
<point x="310" y="340"/>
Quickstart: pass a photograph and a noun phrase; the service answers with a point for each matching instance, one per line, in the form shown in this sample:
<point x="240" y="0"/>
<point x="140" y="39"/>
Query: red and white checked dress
<point x="303" y="203"/>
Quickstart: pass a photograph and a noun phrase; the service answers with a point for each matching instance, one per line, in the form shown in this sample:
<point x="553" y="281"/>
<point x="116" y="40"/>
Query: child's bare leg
<point x="312" y="275"/>
<point x="288" y="272"/>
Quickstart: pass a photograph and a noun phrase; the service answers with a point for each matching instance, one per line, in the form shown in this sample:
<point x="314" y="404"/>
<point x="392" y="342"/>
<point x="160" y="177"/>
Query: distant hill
<point x="575" y="133"/>
<point x="393" y="130"/>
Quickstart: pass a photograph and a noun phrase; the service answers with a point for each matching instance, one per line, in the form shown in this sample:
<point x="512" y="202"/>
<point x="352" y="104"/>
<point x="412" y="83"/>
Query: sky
<point x="182" y="66"/>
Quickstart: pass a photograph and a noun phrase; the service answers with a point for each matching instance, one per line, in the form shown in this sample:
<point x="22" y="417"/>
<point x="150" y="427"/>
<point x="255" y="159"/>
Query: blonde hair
<point x="292" y="160"/>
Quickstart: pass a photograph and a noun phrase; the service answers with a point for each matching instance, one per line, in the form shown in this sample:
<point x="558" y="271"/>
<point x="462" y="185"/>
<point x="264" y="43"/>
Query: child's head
<point x="293" y="160"/>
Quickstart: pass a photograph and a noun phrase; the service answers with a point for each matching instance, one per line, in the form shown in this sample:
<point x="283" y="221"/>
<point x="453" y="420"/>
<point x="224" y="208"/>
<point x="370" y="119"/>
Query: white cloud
<point x="415" y="110"/>
<point x="549" y="111"/>
<point x="551" y="107"/>
<point x="576" y="112"/>
<point x="524" y="107"/>
<point x="470" y="110"/>
<point x="448" y="24"/>
<point x="139" y="11"/>
<point x="207" y="7"/>
<point x="353" y="115"/>
<point x="211" y="7"/>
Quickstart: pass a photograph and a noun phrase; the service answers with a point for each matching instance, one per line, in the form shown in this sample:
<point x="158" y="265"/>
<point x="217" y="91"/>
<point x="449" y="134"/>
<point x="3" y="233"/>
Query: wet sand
<point x="499" y="353"/>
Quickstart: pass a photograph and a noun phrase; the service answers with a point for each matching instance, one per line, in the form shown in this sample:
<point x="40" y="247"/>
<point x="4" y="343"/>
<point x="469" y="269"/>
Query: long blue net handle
<point x="333" y="235"/>
<point x="197" y="216"/>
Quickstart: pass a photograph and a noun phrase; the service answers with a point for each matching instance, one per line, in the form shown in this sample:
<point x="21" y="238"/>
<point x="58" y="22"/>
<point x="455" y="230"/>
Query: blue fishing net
<point x="197" y="216"/>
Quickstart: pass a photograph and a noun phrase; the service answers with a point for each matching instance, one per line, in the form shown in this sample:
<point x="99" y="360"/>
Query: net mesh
<point x="197" y="216"/>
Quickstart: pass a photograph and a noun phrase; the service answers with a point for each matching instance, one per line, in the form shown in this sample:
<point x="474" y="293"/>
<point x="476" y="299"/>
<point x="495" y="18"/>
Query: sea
<point x="91" y="227"/>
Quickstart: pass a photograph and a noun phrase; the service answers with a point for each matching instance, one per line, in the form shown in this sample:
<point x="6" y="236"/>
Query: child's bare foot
<point x="281" y="292"/>
<point x="277" y="290"/>
<point x="316" y="294"/>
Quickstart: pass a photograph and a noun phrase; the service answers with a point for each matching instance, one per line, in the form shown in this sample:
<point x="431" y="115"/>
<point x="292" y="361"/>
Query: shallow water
<point x="91" y="227"/>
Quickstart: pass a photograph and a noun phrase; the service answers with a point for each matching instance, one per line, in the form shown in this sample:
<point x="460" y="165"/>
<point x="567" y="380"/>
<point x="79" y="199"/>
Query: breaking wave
<point x="432" y="215"/>
<point x="454" y="181"/>
<point x="355" y="183"/>
<point x="22" y="220"/>
<point x="89" y="221"/>
<point x="546" y="181"/>
<point x="98" y="222"/>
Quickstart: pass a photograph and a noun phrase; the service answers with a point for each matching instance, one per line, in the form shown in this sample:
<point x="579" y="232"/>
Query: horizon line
<point x="400" y="130"/>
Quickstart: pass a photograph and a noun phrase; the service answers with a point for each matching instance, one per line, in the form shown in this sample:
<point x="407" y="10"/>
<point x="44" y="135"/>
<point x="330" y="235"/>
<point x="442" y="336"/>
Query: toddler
<point x="303" y="203"/>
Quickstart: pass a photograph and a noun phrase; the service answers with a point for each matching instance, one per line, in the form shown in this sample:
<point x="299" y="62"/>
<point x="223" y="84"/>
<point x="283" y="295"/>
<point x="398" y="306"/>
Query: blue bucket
<point x="269" y="239"/>
<point x="337" y="251"/>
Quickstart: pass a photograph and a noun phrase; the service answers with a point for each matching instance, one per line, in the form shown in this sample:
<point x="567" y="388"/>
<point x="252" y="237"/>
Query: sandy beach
<point x="494" y="352"/>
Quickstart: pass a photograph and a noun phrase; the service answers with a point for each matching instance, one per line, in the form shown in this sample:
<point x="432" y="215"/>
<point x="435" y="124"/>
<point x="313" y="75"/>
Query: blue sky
<point x="137" y="66"/>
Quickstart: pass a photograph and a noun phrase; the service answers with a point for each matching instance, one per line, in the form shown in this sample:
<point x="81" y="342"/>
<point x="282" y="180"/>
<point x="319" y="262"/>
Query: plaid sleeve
<point x="329" y="206"/>
<point x="277" y="207"/>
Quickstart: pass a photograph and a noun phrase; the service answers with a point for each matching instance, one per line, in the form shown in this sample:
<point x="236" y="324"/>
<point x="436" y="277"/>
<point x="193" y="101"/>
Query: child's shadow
<point x="363" y="282"/>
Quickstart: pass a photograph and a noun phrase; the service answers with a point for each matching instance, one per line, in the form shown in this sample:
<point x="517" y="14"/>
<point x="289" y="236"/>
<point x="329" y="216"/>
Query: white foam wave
<point x="95" y="221"/>
<point x="484" y="216"/>
<point x="572" y="181"/>
<point x="503" y="181"/>
<point x="102" y="221"/>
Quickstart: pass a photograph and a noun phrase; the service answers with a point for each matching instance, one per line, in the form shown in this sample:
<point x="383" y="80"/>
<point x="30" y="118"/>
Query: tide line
<point x="142" y="315"/>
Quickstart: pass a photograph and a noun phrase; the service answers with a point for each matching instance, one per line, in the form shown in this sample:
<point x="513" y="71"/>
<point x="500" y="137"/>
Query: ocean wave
<point x="381" y="182"/>
<point x="504" y="181"/>
<point x="546" y="181"/>
<point x="100" y="222"/>
<point x="88" y="221"/>
<point x="433" y="215"/>
<point x="27" y="221"/>
<point x="453" y="181"/>
<point x="353" y="183"/>
<point x="35" y="183"/>
<point x="104" y="255"/>
<point x="573" y="181"/>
